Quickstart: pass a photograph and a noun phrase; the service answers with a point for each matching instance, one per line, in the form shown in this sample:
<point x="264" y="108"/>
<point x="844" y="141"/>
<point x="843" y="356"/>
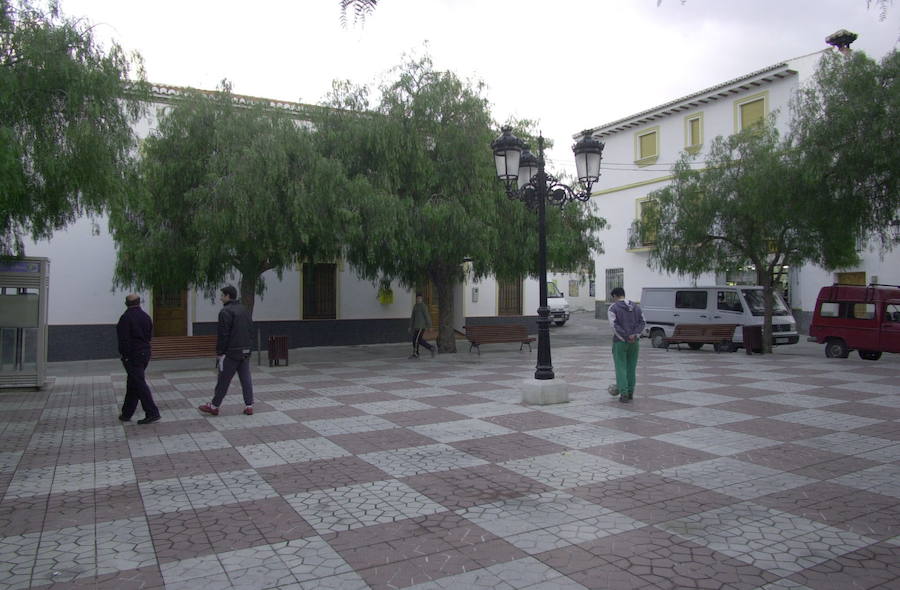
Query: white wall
<point x="81" y="271"/>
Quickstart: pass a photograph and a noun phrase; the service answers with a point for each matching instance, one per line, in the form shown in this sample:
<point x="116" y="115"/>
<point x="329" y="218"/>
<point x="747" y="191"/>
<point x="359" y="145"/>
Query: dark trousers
<point x="230" y="366"/>
<point x="136" y="389"/>
<point x="419" y="340"/>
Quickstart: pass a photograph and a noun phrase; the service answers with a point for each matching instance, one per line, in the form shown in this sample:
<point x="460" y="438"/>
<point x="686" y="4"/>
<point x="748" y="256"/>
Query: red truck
<point x="856" y="317"/>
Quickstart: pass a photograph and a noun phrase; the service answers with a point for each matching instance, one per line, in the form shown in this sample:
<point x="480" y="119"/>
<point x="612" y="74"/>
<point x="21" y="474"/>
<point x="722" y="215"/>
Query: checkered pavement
<point x="366" y="470"/>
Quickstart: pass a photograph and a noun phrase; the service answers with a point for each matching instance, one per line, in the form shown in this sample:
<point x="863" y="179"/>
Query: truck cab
<point x="559" y="306"/>
<point x="856" y="317"/>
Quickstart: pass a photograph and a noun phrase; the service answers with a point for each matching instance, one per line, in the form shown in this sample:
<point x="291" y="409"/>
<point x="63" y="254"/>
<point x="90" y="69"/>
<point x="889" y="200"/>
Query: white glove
<point x="220" y="362"/>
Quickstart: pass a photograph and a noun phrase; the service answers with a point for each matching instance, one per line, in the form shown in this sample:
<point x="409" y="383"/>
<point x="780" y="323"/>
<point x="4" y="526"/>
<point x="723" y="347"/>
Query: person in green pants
<point x="627" y="322"/>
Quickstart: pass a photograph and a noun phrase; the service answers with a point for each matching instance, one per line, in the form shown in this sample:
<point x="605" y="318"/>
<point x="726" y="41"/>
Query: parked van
<point x="854" y="317"/>
<point x="742" y="305"/>
<point x="559" y="306"/>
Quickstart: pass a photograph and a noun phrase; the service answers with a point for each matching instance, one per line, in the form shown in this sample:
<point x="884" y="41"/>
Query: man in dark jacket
<point x="627" y="322"/>
<point x="233" y="344"/>
<point x="134" y="331"/>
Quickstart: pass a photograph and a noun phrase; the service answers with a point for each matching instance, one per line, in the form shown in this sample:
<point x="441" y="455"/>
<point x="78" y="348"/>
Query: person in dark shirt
<point x="233" y="345"/>
<point x="134" y="331"/>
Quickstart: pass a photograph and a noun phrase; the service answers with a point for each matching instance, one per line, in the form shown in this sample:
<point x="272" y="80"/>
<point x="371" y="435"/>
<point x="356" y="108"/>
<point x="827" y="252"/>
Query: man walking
<point x="419" y="321"/>
<point x="627" y="322"/>
<point x="134" y="332"/>
<point x="233" y="344"/>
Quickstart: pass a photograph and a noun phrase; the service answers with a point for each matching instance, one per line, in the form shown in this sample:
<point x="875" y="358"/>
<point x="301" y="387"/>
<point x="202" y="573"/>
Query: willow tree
<point x="436" y="202"/>
<point x="225" y="187"/>
<point x="66" y="111"/>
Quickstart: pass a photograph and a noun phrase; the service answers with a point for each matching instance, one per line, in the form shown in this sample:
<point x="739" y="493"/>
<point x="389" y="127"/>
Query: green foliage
<point x="425" y="150"/>
<point x="222" y="187"/>
<point x="66" y="110"/>
<point x="812" y="197"/>
<point x="845" y="134"/>
<point x="360" y="9"/>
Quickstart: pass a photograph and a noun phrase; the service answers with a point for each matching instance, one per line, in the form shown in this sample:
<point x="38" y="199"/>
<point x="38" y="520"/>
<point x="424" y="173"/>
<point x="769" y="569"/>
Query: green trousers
<point x="625" y="357"/>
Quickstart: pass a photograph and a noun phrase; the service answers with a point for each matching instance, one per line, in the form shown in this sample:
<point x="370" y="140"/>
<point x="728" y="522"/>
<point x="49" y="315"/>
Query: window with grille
<point x="615" y="277"/>
<point x="319" y="291"/>
<point x="510" y="297"/>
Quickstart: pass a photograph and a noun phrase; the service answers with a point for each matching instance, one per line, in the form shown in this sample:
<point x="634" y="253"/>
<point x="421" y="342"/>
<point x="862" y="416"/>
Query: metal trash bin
<point x="753" y="339"/>
<point x="278" y="350"/>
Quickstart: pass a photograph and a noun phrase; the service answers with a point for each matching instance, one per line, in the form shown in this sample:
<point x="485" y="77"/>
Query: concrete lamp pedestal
<point x="544" y="392"/>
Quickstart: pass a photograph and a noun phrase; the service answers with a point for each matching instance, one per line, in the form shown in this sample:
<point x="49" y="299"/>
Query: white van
<point x="664" y="307"/>
<point x="558" y="304"/>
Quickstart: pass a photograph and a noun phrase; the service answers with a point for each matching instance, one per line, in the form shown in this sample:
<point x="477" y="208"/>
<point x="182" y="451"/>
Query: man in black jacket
<point x="235" y="338"/>
<point x="134" y="331"/>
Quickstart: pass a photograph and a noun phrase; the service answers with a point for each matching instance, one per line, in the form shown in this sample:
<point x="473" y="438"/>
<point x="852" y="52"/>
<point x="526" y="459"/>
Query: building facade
<point x="323" y="304"/>
<point x="638" y="158"/>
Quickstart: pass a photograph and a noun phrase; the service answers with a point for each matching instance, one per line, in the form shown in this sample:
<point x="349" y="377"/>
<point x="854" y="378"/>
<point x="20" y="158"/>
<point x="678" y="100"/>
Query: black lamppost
<point x="527" y="181"/>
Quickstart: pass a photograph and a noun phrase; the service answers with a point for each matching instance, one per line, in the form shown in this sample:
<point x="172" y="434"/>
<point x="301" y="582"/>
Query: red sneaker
<point x="208" y="409"/>
<point x="248" y="410"/>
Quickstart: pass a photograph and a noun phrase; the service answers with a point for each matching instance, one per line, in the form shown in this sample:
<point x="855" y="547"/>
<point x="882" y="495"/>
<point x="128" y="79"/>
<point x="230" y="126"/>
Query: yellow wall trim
<point x="625" y="187"/>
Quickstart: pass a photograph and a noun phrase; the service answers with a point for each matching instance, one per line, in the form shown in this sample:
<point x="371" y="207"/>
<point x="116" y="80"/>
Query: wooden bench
<point x="183" y="347"/>
<point x="696" y="335"/>
<point x="498" y="333"/>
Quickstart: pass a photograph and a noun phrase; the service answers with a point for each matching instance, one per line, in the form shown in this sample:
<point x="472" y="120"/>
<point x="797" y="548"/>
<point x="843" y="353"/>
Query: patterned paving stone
<point x="291" y="451"/>
<point x="448" y="432"/>
<point x="728" y="471"/>
<point x="361" y="505"/>
<point x="569" y="469"/>
<point x="416" y="460"/>
<point x="582" y="436"/>
<point x="826" y="419"/>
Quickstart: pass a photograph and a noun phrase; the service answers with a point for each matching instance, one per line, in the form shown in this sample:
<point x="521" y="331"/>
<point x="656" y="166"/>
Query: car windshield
<point x="552" y="290"/>
<point x="756" y="303"/>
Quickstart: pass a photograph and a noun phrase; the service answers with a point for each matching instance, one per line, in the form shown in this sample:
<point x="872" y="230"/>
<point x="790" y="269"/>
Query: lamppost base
<point x="541" y="393"/>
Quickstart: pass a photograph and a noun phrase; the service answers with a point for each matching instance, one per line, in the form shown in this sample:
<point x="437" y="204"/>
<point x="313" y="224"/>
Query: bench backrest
<point x="720" y="331"/>
<point x="507" y="331"/>
<point x="689" y="330"/>
<point x="724" y="331"/>
<point x="176" y="347"/>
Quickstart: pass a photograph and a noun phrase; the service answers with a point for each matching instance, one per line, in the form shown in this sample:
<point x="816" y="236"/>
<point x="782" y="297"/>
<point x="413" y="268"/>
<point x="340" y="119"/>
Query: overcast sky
<point x="570" y="64"/>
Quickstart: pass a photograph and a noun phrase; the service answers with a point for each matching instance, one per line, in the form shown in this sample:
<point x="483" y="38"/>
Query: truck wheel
<point x="836" y="348"/>
<point x="695" y="345"/>
<point x="656" y="338"/>
<point x="560" y="323"/>
<point x="870" y="355"/>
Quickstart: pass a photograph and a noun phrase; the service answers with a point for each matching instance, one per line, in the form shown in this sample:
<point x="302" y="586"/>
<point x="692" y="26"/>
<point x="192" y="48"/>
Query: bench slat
<point x="701" y="334"/>
<point x="183" y="347"/>
<point x="499" y="333"/>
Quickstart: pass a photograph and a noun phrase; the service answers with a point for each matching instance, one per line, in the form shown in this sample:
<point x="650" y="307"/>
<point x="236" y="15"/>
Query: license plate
<point x="781" y="341"/>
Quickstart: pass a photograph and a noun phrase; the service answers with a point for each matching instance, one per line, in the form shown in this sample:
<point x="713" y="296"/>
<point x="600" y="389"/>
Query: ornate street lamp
<point x="527" y="181"/>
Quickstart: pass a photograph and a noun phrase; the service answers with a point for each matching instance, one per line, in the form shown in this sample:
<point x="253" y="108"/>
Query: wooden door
<point x="509" y="297"/>
<point x="170" y="313"/>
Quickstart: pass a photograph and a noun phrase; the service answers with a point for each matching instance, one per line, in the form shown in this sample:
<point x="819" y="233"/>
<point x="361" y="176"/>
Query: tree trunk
<point x="765" y="279"/>
<point x="248" y="290"/>
<point x="443" y="284"/>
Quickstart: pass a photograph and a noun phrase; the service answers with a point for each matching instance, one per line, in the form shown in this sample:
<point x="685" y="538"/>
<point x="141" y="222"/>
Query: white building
<point x="637" y="160"/>
<point x="314" y="305"/>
